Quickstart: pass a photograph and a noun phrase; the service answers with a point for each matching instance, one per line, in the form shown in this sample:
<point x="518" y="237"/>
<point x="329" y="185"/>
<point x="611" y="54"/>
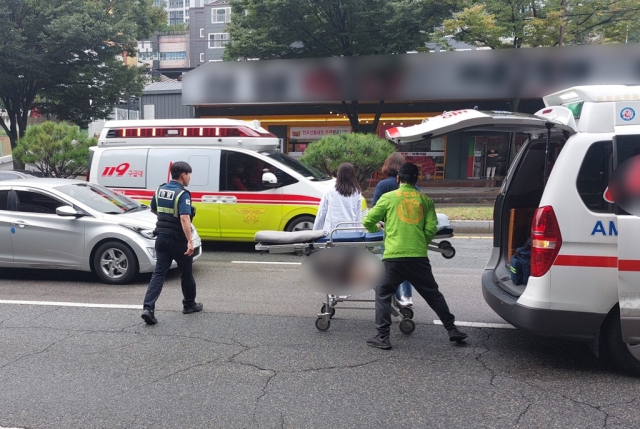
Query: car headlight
<point x="145" y="232"/>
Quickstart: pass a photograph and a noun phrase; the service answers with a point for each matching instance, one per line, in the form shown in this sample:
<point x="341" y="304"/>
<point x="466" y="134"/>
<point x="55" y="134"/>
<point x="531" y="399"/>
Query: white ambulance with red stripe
<point x="584" y="279"/>
<point x="240" y="183"/>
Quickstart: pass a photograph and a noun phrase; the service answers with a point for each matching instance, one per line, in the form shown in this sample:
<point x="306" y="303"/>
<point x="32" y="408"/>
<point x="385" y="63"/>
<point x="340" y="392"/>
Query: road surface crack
<point x="38" y="352"/>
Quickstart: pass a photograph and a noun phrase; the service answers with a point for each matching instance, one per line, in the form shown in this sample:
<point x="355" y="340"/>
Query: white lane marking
<point x="480" y="325"/>
<point x="8" y="428"/>
<point x="72" y="304"/>
<point x="266" y="263"/>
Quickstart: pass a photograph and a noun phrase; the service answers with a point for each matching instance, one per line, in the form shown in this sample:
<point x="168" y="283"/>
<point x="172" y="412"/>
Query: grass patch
<point x="466" y="212"/>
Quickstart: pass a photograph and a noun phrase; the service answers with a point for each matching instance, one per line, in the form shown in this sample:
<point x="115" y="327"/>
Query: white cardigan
<point x="335" y="208"/>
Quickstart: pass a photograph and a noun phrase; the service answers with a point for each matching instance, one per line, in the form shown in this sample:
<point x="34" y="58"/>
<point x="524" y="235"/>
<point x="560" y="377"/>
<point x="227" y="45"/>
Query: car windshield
<point x="100" y="198"/>
<point x="297" y="166"/>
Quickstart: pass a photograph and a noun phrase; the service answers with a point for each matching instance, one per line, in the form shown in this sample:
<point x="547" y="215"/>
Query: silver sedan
<point x="75" y="225"/>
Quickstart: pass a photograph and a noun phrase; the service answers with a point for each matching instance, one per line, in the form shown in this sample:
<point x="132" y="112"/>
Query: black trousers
<point x="169" y="249"/>
<point x="418" y="272"/>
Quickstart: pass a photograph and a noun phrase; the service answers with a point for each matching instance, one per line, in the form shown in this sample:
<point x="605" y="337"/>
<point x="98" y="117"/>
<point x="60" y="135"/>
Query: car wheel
<point x="625" y="356"/>
<point x="302" y="223"/>
<point x="115" y="263"/>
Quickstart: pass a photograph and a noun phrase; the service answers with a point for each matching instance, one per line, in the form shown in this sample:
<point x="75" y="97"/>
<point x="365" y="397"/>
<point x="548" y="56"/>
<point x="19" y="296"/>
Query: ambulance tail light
<point x="546" y="240"/>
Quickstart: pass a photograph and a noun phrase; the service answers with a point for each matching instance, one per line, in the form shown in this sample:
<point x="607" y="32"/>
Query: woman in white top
<point x="342" y="204"/>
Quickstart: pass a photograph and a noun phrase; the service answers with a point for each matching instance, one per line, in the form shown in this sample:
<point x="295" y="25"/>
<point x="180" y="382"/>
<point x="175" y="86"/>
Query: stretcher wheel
<point x="406" y="312"/>
<point x="407" y="326"/>
<point x="332" y="311"/>
<point x="449" y="250"/>
<point x="322" y="324"/>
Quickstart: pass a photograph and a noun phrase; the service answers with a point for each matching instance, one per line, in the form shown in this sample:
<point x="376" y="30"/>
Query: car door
<point x="6" y="252"/>
<point x="41" y="238"/>
<point x="246" y="205"/>
<point x="204" y="185"/>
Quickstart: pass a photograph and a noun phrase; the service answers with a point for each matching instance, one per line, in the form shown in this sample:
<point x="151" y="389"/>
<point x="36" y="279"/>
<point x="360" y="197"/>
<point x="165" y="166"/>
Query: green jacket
<point x="410" y="222"/>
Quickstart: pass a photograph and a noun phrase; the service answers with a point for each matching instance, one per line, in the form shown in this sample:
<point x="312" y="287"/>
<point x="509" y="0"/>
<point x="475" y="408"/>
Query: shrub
<point x="56" y="149"/>
<point x="366" y="152"/>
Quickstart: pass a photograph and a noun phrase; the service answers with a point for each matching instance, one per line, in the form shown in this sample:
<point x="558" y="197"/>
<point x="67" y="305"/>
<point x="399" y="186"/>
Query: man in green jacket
<point x="410" y="224"/>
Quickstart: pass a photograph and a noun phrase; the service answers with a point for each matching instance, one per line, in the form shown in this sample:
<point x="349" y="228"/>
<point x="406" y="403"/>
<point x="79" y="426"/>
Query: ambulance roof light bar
<point x="593" y="94"/>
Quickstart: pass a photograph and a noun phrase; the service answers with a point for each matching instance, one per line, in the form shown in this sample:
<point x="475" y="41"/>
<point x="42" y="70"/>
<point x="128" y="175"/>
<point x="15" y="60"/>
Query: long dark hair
<point x="347" y="185"/>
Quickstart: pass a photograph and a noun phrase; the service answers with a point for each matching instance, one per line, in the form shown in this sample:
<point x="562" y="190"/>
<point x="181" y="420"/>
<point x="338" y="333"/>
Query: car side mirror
<point x="67" y="211"/>
<point x="269" y="180"/>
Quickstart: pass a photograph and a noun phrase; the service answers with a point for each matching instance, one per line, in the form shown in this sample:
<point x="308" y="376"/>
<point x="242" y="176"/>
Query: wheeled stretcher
<point x="345" y="234"/>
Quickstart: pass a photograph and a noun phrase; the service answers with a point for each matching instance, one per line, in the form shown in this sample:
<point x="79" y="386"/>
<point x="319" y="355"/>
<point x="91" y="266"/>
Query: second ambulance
<point x="585" y="254"/>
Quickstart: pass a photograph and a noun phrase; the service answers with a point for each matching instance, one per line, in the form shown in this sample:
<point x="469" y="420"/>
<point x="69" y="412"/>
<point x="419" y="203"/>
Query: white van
<point x="240" y="183"/>
<point x="585" y="260"/>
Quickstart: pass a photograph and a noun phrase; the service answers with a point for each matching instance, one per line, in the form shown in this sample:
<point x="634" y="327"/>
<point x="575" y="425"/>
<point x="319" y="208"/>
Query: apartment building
<point x="207" y="31"/>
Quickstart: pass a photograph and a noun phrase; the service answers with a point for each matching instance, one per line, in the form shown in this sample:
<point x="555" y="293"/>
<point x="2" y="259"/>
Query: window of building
<point x="218" y="40"/>
<point x="202" y="57"/>
<point x="176" y="17"/>
<point x="147" y="56"/>
<point x="220" y="15"/>
<point x="593" y="177"/>
<point x="173" y="56"/>
<point x="202" y="32"/>
<point x="176" y="4"/>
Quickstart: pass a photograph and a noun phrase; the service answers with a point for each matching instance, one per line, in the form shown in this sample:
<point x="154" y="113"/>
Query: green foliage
<point x="56" y="149"/>
<point x="526" y="23"/>
<point x="67" y="54"/>
<point x="277" y="29"/>
<point x="366" y="152"/>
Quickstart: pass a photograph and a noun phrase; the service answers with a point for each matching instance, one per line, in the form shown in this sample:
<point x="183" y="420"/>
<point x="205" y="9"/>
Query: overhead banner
<point x="480" y="74"/>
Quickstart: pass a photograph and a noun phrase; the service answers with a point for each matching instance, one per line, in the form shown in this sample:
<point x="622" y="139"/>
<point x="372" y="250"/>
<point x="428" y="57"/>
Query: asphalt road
<point x="253" y="358"/>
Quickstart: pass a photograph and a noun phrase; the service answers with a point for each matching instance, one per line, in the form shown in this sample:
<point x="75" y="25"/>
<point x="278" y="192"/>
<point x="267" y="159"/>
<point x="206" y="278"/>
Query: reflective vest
<point x="167" y="199"/>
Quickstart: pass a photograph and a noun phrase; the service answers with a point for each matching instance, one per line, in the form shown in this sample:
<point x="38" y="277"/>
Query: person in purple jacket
<point x="390" y="168"/>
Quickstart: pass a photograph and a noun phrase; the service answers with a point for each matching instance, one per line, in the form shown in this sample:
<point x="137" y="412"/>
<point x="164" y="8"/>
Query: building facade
<point x="207" y="31"/>
<point x="166" y="53"/>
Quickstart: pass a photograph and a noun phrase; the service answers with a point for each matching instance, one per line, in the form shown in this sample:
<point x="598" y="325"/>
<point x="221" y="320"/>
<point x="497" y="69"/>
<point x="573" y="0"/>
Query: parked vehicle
<point x="240" y="183"/>
<point x="18" y="174"/>
<point x="75" y="225"/>
<point x="585" y="261"/>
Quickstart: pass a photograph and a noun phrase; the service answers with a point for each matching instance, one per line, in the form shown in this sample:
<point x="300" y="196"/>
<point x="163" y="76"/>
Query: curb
<point x="6" y="159"/>
<point x="472" y="226"/>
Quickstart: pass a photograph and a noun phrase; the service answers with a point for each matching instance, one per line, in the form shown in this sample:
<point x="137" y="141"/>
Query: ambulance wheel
<point x="331" y="312"/>
<point x="407" y="326"/>
<point x="322" y="324"/>
<point x="625" y="356"/>
<point x="302" y="223"/>
<point x="115" y="263"/>
<point x="449" y="250"/>
<point x="406" y="312"/>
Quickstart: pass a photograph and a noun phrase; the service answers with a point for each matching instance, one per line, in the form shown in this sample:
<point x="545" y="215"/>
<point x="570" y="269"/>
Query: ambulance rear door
<point x="626" y="147"/>
<point x="204" y="185"/>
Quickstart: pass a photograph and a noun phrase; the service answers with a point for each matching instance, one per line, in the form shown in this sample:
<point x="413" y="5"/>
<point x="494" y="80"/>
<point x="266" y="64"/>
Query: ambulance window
<point x="242" y="172"/>
<point x="593" y="177"/>
<point x="626" y="147"/>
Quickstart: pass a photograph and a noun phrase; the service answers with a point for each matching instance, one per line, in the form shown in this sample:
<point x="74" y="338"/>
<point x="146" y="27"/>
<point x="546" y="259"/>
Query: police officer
<point x="172" y="204"/>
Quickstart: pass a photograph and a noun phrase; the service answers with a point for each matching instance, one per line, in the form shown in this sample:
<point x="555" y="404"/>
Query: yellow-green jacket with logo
<point x="410" y="222"/>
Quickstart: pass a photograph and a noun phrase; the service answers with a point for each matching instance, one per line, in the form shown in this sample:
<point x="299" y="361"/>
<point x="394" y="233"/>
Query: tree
<point x="532" y="23"/>
<point x="285" y="29"/>
<point x="64" y="57"/>
<point x="56" y="149"/>
<point x="366" y="152"/>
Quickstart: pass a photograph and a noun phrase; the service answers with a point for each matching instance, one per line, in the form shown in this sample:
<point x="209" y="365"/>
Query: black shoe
<point x="193" y="309"/>
<point x="456" y="335"/>
<point x="148" y="317"/>
<point x="379" y="342"/>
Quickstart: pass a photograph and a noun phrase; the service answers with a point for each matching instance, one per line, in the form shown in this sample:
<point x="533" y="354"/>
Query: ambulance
<point x="584" y="281"/>
<point x="240" y="183"/>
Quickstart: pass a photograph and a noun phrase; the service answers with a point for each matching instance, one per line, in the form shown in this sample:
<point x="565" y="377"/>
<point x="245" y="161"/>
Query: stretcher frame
<point x="328" y="309"/>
